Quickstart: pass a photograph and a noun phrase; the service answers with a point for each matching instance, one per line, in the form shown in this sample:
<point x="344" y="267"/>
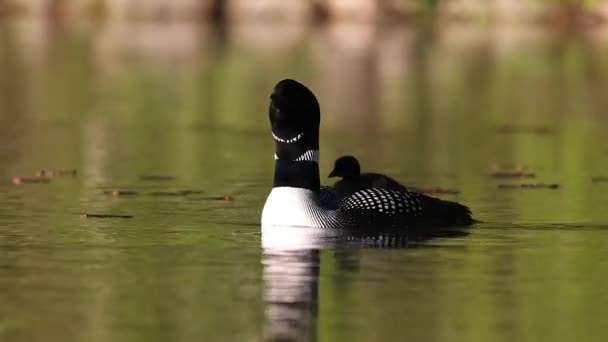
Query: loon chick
<point x="297" y="198"/>
<point x="353" y="180"/>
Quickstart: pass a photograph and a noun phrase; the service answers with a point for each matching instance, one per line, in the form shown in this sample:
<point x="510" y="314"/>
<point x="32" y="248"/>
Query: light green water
<point x="424" y="106"/>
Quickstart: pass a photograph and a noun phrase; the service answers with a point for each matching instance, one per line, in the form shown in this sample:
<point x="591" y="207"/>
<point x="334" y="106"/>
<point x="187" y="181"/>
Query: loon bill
<point x="297" y="198"/>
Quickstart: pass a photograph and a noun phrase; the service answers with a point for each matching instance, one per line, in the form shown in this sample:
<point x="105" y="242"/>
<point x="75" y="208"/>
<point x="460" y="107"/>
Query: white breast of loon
<point x="297" y="207"/>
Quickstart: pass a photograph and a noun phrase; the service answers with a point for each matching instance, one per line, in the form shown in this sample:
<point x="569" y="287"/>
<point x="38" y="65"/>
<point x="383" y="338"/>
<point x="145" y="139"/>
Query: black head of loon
<point x="294" y="120"/>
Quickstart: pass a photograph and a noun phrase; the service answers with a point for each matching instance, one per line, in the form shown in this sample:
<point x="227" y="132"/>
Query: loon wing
<point x="328" y="198"/>
<point x="396" y="207"/>
<point x="383" y="201"/>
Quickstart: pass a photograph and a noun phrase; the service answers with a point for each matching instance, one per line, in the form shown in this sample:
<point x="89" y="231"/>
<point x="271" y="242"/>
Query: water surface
<point x="432" y="107"/>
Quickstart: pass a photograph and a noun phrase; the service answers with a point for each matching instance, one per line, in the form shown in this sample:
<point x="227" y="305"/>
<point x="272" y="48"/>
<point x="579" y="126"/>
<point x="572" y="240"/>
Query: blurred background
<point x="419" y="88"/>
<point x="435" y="93"/>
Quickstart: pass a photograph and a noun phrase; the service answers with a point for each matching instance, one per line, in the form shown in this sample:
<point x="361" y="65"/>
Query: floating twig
<point x="434" y="191"/>
<point x="599" y="179"/>
<point x="118" y="193"/>
<point x="513" y="171"/>
<point x="538" y="130"/>
<point x="156" y="178"/>
<point x="512" y="174"/>
<point x="176" y="193"/>
<point x="85" y="215"/>
<point x="166" y="193"/>
<point x="31" y="180"/>
<point x="56" y="173"/>
<point x="191" y="192"/>
<point x="528" y="186"/>
<point x="226" y="198"/>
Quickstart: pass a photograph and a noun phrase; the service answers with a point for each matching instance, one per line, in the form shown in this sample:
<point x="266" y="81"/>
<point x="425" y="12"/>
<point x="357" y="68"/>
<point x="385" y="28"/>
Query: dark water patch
<point x="176" y="193"/>
<point x="129" y="187"/>
<point x="87" y="215"/>
<point x="512" y="174"/>
<point x="121" y="193"/>
<point x="171" y="193"/>
<point x="221" y="198"/>
<point x="513" y="228"/>
<point x="523" y="129"/>
<point x="433" y="190"/>
<point x="157" y="178"/>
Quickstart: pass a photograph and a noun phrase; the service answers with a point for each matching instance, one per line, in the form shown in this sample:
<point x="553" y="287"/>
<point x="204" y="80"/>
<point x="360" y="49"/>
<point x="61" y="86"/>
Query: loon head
<point x="294" y="119"/>
<point x="346" y="167"/>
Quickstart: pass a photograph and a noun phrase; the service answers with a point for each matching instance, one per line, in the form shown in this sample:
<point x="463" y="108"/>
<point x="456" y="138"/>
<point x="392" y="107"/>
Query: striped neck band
<point x="310" y="155"/>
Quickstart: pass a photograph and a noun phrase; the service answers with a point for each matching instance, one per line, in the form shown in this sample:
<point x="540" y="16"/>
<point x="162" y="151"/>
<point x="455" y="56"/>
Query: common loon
<point x="297" y="198"/>
<point x="353" y="180"/>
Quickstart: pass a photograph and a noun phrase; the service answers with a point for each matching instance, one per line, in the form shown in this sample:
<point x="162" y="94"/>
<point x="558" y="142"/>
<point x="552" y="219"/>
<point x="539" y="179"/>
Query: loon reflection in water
<point x="292" y="263"/>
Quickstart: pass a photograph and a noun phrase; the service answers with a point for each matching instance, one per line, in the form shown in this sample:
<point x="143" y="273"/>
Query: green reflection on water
<point x="425" y="106"/>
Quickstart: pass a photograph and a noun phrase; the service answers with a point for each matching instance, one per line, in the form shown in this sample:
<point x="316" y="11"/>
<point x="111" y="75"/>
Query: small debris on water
<point x="118" y="193"/>
<point x="537" y="130"/>
<point x="43" y="176"/>
<point x="166" y="193"/>
<point x="31" y="180"/>
<point x="528" y="186"/>
<point x="225" y="198"/>
<point x="56" y="173"/>
<point x="191" y="192"/>
<point x="511" y="171"/>
<point x="156" y="178"/>
<point x="176" y="193"/>
<point x="512" y="174"/>
<point x="85" y="215"/>
<point x="434" y="191"/>
<point x="599" y="179"/>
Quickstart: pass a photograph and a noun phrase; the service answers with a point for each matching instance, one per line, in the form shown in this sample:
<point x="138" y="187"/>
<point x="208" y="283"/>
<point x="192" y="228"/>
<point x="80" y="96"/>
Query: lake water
<point x="434" y="106"/>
